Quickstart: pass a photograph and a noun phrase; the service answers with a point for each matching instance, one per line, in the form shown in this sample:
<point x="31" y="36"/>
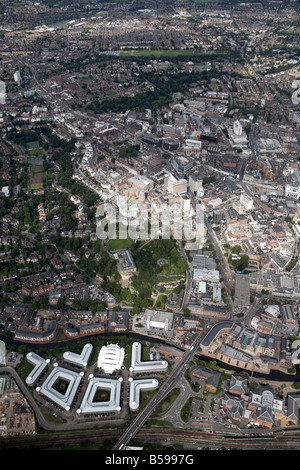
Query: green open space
<point x="148" y="267"/>
<point x="160" y="301"/>
<point x="119" y="244"/>
<point x="35" y="151"/>
<point x="157" y="53"/>
<point x="34" y="186"/>
<point x="37" y="168"/>
<point x="36" y="175"/>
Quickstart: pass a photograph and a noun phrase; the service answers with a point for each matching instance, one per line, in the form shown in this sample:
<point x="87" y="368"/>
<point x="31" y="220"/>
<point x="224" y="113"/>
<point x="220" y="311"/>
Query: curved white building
<point x="136" y="387"/>
<point x="111" y="358"/>
<point x="40" y="364"/>
<point x="48" y="387"/>
<point x="88" y="404"/>
<point x="147" y="366"/>
<point x="296" y="355"/>
<point x="79" y="359"/>
<point x="2" y="353"/>
<point x="2" y="92"/>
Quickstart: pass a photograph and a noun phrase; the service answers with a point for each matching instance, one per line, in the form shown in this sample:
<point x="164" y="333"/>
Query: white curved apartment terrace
<point x="137" y="365"/>
<point x="88" y="404"/>
<point x="110" y="359"/>
<point x="79" y="359"/>
<point x="48" y="387"/>
<point x="40" y="365"/>
<point x="136" y="387"/>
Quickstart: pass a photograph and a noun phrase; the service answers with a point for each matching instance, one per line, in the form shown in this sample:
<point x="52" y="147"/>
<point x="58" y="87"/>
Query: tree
<point x="61" y="303"/>
<point x="76" y="304"/>
<point x="186" y="312"/>
<point x="35" y="306"/>
<point x="44" y="303"/>
<point x="136" y="310"/>
<point x="243" y="262"/>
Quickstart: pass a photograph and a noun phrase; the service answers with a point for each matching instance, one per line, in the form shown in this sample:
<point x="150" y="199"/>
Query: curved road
<point x="39" y="415"/>
<point x="169" y="384"/>
<point x="37" y="410"/>
<point x="166" y="387"/>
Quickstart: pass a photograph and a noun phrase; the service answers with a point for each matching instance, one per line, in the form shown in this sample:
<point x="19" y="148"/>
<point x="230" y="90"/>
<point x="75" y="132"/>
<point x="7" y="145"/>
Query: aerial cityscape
<point x="150" y="226"/>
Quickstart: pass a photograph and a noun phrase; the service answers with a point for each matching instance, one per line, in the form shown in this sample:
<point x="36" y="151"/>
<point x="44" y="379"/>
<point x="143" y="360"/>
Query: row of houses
<point x="114" y="321"/>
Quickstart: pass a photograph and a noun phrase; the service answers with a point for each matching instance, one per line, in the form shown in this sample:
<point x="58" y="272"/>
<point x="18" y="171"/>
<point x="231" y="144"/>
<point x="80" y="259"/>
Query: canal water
<point x="274" y="375"/>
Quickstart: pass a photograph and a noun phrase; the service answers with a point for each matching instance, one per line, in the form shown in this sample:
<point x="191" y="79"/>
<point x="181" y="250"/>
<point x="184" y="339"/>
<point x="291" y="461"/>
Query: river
<point x="274" y="375"/>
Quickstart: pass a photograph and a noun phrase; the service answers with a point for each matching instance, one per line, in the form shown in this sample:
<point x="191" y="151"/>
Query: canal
<point x="274" y="375"/>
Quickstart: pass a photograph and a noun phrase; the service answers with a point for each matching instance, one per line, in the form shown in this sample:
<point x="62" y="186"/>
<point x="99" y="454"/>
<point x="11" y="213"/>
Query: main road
<point x="171" y="382"/>
<point x="188" y="283"/>
<point x="227" y="278"/>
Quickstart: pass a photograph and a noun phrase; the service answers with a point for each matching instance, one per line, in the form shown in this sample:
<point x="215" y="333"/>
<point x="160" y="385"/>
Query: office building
<point x="2" y="93"/>
<point x="175" y="186"/>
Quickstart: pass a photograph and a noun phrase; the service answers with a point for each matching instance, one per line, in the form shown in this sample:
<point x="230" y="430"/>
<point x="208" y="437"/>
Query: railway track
<point x="220" y="441"/>
<point x="57" y="440"/>
<point x="162" y="436"/>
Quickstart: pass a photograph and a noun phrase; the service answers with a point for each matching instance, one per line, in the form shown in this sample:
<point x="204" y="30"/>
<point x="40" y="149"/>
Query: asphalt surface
<point x="171" y="382"/>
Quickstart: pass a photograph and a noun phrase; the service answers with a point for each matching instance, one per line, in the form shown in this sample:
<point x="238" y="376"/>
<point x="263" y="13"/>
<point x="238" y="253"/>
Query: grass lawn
<point x="37" y="168"/>
<point x="161" y="300"/>
<point x="119" y="244"/>
<point x="36" y="186"/>
<point x="36" y="151"/>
